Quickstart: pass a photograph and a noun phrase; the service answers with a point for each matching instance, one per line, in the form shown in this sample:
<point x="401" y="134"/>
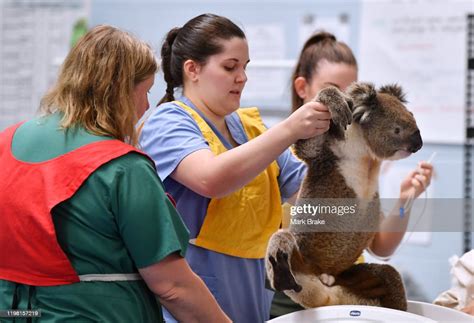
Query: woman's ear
<point x="300" y="85"/>
<point x="191" y="70"/>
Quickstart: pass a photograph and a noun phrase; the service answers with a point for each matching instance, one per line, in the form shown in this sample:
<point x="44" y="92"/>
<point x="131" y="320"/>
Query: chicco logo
<point x="354" y="313"/>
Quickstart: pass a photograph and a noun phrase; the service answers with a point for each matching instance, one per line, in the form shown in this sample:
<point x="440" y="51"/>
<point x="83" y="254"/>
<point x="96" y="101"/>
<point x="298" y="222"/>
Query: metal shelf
<point x="469" y="144"/>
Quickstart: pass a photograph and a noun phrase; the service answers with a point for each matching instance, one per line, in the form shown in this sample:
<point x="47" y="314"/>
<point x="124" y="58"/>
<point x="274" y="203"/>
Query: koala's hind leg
<point x="314" y="292"/>
<point x="280" y="251"/>
<point x="370" y="283"/>
<point x="287" y="272"/>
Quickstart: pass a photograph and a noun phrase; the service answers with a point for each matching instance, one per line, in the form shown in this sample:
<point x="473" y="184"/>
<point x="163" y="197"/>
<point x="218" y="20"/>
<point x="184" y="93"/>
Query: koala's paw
<point x="326" y="279"/>
<point x="282" y="277"/>
<point x="339" y="105"/>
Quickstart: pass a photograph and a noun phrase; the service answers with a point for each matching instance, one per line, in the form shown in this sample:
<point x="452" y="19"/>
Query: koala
<point x="315" y="267"/>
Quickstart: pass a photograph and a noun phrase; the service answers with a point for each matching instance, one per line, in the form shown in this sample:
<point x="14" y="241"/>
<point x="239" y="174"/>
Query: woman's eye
<point x="229" y="68"/>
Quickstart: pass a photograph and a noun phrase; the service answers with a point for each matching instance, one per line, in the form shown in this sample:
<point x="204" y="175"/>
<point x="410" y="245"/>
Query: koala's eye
<point x="397" y="130"/>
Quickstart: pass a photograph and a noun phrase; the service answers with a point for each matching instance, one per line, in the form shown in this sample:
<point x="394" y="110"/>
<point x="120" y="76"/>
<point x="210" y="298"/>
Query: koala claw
<point x="327" y="280"/>
<point x="282" y="277"/>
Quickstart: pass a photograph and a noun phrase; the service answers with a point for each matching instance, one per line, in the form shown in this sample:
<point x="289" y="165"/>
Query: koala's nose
<point x="415" y="141"/>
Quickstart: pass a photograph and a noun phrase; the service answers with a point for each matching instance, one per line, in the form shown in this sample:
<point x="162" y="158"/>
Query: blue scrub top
<point x="168" y="136"/>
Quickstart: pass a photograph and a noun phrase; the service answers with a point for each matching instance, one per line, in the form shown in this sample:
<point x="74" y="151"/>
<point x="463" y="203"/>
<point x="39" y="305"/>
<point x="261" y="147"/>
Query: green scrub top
<point x="119" y="220"/>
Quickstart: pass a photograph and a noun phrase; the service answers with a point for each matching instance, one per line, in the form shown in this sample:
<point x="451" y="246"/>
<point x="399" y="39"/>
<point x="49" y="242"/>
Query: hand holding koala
<point x="312" y="119"/>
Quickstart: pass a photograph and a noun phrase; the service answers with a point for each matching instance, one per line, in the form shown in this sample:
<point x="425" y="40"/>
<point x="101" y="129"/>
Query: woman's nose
<point x="242" y="77"/>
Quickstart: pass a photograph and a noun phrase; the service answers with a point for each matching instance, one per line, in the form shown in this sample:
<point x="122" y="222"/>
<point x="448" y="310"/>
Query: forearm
<point x="393" y="227"/>
<point x="235" y="168"/>
<point x="391" y="232"/>
<point x="191" y="302"/>
<point x="216" y="176"/>
<point x="181" y="291"/>
<point x="240" y="165"/>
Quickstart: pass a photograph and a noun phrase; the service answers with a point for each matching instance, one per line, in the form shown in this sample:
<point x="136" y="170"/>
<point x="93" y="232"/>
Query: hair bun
<point x="171" y="36"/>
<point x="319" y="37"/>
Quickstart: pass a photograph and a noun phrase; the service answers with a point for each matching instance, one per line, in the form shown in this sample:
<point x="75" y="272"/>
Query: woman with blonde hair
<point x="90" y="232"/>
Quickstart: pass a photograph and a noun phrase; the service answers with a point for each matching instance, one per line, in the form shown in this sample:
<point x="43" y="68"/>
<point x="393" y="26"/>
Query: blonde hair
<point x="96" y="82"/>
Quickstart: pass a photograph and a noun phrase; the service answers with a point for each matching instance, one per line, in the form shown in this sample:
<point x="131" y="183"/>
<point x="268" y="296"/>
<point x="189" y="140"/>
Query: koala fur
<point x="316" y="268"/>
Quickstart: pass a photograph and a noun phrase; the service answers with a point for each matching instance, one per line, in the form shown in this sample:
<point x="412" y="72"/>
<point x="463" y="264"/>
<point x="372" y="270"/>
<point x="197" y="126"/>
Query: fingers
<point x="420" y="178"/>
<point x="318" y="118"/>
<point x="321" y="118"/>
<point x="419" y="183"/>
<point x="424" y="173"/>
<point x="416" y="184"/>
<point x="321" y="115"/>
<point x="425" y="165"/>
<point x="425" y="168"/>
<point x="312" y="119"/>
<point x="412" y="174"/>
<point x="424" y="180"/>
<point x="320" y="109"/>
<point x="321" y="125"/>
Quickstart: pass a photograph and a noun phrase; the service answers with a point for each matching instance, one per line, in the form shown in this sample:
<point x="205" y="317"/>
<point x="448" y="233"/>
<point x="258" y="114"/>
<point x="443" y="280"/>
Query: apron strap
<point x="109" y="277"/>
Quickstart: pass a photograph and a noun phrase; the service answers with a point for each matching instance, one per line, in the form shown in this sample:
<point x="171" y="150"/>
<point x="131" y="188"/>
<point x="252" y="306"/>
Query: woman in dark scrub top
<point x="87" y="232"/>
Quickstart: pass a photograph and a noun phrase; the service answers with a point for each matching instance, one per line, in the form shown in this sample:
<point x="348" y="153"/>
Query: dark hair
<point x="198" y="39"/>
<point x="320" y="46"/>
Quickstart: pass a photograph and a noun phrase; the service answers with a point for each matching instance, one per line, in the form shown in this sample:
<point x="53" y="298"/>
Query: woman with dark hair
<point x="88" y="234"/>
<point x="228" y="173"/>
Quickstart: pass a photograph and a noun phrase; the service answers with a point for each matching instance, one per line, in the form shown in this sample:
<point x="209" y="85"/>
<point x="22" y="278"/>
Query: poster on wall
<point x="267" y="48"/>
<point x="35" y="37"/>
<point x="338" y="25"/>
<point x="420" y="45"/>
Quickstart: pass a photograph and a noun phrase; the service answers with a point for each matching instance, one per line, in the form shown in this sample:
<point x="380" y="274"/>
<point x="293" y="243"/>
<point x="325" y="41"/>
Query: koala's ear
<point x="395" y="90"/>
<point x="362" y="94"/>
<point x="364" y="99"/>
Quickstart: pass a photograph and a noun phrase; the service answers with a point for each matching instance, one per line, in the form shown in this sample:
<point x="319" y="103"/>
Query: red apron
<point x="29" y="251"/>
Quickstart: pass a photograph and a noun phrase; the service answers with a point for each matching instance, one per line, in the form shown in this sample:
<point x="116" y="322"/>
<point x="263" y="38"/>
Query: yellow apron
<point x="240" y="224"/>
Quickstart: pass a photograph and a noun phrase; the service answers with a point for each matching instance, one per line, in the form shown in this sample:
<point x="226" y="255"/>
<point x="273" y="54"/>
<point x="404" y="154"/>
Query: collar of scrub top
<point x="233" y="123"/>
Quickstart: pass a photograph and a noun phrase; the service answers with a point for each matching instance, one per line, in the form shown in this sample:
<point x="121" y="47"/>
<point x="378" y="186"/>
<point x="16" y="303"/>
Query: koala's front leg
<point x="340" y="107"/>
